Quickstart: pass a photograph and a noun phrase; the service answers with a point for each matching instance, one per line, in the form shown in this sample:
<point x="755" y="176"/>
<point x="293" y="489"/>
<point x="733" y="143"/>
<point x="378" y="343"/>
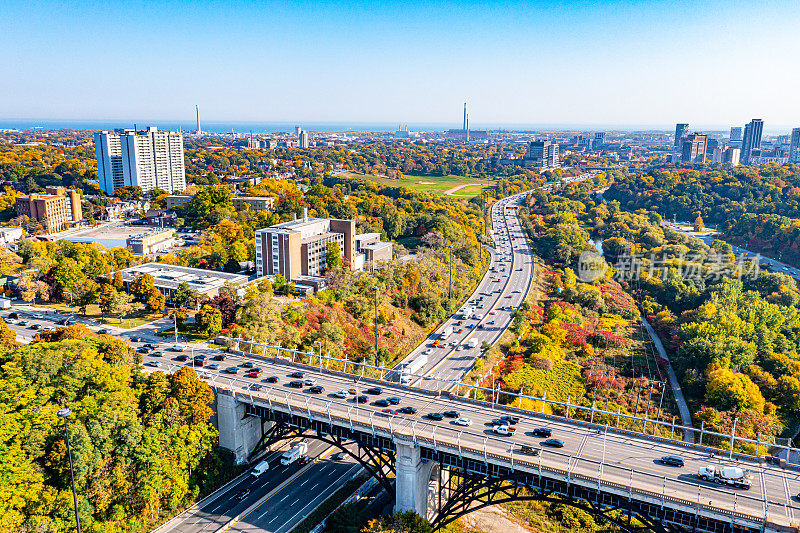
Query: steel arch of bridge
<point x="374" y="453"/>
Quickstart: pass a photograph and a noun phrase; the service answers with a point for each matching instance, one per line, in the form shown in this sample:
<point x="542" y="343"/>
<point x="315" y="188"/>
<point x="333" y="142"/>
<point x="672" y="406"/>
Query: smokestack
<point x="305" y="214"/>
<point x="465" y="116"/>
<point x="467" y="128"/>
<point x="197" y="112"/>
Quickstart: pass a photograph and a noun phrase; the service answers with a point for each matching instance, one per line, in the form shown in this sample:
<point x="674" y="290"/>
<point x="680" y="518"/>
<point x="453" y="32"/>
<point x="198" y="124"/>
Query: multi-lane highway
<point x="501" y="291"/>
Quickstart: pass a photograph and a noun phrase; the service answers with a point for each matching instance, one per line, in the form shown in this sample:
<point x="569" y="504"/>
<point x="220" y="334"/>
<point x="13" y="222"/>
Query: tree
<point x="155" y="301"/>
<point x="8" y="338"/>
<point x="209" y="321"/>
<point x="345" y="519"/>
<point x="185" y="296"/>
<point x="108" y="299"/>
<point x="86" y="294"/>
<point x="142" y="286"/>
<point x="333" y="256"/>
<point x="698" y="223"/>
<point x="69" y="275"/>
<point x="124" y="305"/>
<point x="226" y="305"/>
<point x="400" y="522"/>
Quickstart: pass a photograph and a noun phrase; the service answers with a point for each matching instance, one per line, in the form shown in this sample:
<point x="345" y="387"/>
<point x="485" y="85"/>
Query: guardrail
<point x="592" y="411"/>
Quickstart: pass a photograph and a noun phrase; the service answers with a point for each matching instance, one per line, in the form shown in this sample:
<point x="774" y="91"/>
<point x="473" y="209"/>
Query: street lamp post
<point x="64" y="413"/>
<point x="375" y="290"/>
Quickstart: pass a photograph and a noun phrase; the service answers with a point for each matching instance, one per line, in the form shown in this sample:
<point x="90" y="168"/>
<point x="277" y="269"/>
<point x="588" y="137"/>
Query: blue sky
<point x="571" y="62"/>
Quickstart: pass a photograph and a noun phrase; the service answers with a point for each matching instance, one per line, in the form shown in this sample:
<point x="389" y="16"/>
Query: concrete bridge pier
<point x="413" y="477"/>
<point x="237" y="433"/>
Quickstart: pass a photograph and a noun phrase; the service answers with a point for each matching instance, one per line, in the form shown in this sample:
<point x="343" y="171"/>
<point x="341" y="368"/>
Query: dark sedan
<point x="407" y="410"/>
<point x="555" y="443"/>
<point x="672" y="460"/>
<point x="542" y="432"/>
<point x="435" y="416"/>
<point x="297" y="384"/>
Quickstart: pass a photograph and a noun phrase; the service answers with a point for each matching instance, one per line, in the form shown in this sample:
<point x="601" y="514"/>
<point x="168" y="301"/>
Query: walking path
<point x="686" y="418"/>
<point x="454" y="190"/>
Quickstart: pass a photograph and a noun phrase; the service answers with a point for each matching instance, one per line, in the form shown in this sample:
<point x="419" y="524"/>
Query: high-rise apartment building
<point x="542" y="154"/>
<point x="736" y="134"/>
<point x="55" y="211"/>
<point x="794" y="146"/>
<point x="680" y="131"/>
<point x="731" y="156"/>
<point x="751" y="141"/>
<point x="147" y="159"/>
<point x="693" y="149"/>
<point x="303" y="139"/>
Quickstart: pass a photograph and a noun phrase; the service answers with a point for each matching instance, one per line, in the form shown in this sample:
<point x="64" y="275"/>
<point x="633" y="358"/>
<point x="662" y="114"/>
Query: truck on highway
<point x="294" y="453"/>
<point x="726" y="475"/>
<point x="466" y="312"/>
<point x="472" y="343"/>
<point x="260" y="468"/>
<point x="446" y="332"/>
<point x="414" y="367"/>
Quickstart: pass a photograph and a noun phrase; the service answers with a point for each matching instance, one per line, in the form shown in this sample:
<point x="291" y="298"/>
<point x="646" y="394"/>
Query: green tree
<point x="155" y="301"/>
<point x="400" y="522"/>
<point x="69" y="275"/>
<point x="333" y="256"/>
<point x="209" y="321"/>
<point x="142" y="286"/>
<point x="185" y="296"/>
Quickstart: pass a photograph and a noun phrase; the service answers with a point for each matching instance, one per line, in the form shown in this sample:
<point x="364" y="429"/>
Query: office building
<point x="303" y="139"/>
<point x="680" y="131"/>
<point x="55" y="211"/>
<point x="542" y="154"/>
<point x="736" y="134"/>
<point x="297" y="249"/>
<point x="151" y="242"/>
<point x="711" y="145"/>
<point x="731" y="156"/>
<point x="599" y="140"/>
<point x="167" y="279"/>
<point x="146" y="159"/>
<point x="693" y="148"/>
<point x="751" y="141"/>
<point x="794" y="146"/>
<point x="255" y="203"/>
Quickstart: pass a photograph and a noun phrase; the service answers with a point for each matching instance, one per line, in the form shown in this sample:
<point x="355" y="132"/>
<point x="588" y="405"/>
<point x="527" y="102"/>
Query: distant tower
<point x="197" y="112"/>
<point x="465" y="116"/>
<point x="466" y="128"/>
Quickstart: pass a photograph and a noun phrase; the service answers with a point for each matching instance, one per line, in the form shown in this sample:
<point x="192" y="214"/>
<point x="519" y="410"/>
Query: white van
<point x="260" y="468"/>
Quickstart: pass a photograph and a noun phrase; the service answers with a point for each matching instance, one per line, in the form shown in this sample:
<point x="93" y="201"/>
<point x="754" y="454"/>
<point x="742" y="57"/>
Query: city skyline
<point x="358" y="62"/>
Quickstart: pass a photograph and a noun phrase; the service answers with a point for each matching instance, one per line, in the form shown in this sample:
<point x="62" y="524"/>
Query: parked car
<point x="182" y="357"/>
<point x="154" y="363"/>
<point x="309" y="381"/>
<point x="219" y="357"/>
<point x="254" y="374"/>
<point x="157" y="353"/>
<point x="103" y="331"/>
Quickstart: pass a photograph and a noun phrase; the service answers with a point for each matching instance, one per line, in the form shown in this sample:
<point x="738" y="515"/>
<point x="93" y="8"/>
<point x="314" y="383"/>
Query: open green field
<point x="135" y="319"/>
<point x="434" y="184"/>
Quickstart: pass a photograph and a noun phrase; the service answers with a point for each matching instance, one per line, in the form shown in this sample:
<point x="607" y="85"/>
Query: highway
<point x="501" y="291"/>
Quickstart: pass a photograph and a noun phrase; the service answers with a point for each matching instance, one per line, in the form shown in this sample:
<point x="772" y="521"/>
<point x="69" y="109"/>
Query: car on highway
<point x="340" y="394"/>
<point x="296" y="383"/>
<point x="213" y="366"/>
<point x="182" y="357"/>
<point x="434" y="416"/>
<point x="254" y="374"/>
<point x="35" y="326"/>
<point x="361" y="399"/>
<point x="542" y="432"/>
<point x="338" y="456"/>
<point x="428" y="351"/>
<point x="309" y="381"/>
<point x="510" y="419"/>
<point x="374" y="390"/>
<point x="244" y="493"/>
<point x="407" y="410"/>
<point x="103" y="331"/>
<point x="232" y="370"/>
<point x="23" y="322"/>
<point x="247" y="364"/>
<point x="255" y="386"/>
<point x="389" y="411"/>
<point x="451" y="414"/>
<point x="383" y="402"/>
<point x="394" y="400"/>
<point x="218" y="357"/>
<point x="298" y="375"/>
<point x="461" y="421"/>
<point x="672" y="460"/>
<point x="271" y="379"/>
<point x="177" y="347"/>
<point x="157" y="353"/>
<point x="554" y="443"/>
<point x="154" y="363"/>
<point x="317" y="389"/>
<point x="143" y="349"/>
<point x="13" y="315"/>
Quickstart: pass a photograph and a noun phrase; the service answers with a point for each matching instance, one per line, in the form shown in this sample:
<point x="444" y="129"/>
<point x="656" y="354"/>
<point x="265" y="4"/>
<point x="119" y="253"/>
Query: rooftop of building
<point x="171" y="276"/>
<point x="320" y="237"/>
<point x="367" y="236"/>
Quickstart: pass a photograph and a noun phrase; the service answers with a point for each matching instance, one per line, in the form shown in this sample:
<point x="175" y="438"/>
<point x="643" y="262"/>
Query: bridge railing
<point x="622" y="422"/>
<point x="688" y="493"/>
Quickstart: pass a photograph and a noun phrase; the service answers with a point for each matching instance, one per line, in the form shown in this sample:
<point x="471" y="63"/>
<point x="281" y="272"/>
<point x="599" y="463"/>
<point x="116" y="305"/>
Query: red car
<point x="254" y="374"/>
<point x="460" y="330"/>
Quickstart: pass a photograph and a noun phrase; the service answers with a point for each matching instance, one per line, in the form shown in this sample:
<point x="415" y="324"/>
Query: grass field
<point x="137" y="318"/>
<point x="434" y="184"/>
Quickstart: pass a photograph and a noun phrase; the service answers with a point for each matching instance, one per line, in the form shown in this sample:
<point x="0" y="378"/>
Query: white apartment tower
<point x="147" y="159"/>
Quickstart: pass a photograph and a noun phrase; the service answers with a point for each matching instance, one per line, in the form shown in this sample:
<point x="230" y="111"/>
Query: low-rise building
<point x="255" y="203"/>
<point x="373" y="249"/>
<point x="10" y="235"/>
<point x="178" y="200"/>
<point x="55" y="211"/>
<point x="167" y="279"/>
<point x="151" y="242"/>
